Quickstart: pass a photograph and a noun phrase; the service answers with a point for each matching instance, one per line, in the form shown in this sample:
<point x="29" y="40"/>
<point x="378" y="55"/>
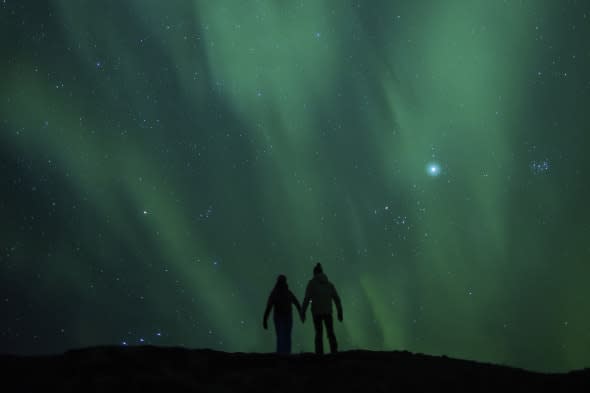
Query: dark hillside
<point x="134" y="369"/>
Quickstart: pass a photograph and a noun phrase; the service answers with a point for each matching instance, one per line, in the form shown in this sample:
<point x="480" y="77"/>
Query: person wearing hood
<point x="281" y="299"/>
<point x="320" y="293"/>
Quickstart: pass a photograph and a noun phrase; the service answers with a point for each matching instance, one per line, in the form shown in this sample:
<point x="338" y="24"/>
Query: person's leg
<point x="280" y="330"/>
<point x="319" y="340"/>
<point x="278" y="334"/>
<point x="288" y="330"/>
<point x="331" y="336"/>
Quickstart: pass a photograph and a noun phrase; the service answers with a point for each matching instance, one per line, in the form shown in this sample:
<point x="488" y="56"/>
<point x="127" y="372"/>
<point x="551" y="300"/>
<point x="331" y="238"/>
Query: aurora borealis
<point x="163" y="161"/>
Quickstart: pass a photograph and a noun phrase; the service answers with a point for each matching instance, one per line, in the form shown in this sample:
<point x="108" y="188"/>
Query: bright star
<point x="433" y="169"/>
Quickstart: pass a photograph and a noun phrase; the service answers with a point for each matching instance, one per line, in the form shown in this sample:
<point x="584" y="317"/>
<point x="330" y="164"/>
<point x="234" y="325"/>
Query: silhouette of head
<point x="318" y="269"/>
<point x="281" y="282"/>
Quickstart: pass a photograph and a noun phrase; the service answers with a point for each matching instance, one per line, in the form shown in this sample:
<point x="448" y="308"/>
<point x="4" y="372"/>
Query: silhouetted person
<point x="321" y="293"/>
<point x="281" y="299"/>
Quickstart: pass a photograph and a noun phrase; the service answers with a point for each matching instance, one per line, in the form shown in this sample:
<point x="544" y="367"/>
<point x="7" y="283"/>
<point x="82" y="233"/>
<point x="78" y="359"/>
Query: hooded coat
<point x="321" y="293"/>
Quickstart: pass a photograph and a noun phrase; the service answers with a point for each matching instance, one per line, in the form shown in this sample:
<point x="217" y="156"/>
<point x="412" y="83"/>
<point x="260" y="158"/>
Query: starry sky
<point x="163" y="162"/>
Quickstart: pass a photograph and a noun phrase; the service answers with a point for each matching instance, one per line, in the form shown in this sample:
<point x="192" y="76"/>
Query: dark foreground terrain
<point x="135" y="369"/>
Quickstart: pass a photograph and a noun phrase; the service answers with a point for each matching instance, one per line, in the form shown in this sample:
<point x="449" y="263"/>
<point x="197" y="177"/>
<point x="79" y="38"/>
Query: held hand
<point x="302" y="318"/>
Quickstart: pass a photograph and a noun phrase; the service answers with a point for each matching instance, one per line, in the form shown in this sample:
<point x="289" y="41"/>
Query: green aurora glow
<point x="163" y="162"/>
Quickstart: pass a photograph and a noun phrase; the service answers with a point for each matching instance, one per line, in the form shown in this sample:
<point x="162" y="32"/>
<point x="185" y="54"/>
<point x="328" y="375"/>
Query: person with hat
<point x="320" y="292"/>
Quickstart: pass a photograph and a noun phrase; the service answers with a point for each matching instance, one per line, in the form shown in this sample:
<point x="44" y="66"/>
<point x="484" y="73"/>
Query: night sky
<point x="163" y="161"/>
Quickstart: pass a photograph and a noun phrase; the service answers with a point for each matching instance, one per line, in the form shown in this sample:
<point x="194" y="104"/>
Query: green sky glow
<point x="163" y="162"/>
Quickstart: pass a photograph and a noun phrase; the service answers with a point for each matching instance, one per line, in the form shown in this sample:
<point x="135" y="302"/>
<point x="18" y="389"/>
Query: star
<point x="433" y="169"/>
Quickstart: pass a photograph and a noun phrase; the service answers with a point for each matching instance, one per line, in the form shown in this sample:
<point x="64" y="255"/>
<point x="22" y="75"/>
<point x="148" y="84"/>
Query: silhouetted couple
<point x="320" y="293"/>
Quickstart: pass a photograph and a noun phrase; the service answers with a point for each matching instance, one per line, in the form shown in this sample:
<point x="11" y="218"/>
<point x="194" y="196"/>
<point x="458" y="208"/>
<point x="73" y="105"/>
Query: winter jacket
<point x="281" y="301"/>
<point x="320" y="292"/>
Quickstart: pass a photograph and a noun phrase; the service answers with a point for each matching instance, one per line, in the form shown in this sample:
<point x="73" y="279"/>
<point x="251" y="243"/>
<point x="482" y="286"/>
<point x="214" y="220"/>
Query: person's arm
<point x="297" y="305"/>
<point x="336" y="299"/>
<point x="269" y="305"/>
<point x="306" y="300"/>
